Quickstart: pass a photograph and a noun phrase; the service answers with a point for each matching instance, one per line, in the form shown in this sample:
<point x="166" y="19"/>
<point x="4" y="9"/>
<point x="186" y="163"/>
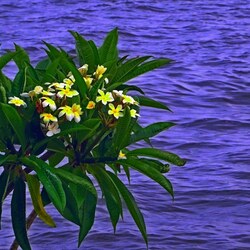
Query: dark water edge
<point x="208" y="89"/>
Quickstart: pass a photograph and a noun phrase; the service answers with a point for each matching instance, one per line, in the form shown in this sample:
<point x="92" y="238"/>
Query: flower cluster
<point x="55" y="105"/>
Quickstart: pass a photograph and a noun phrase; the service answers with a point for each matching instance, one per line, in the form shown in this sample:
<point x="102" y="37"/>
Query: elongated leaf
<point x="4" y="59"/>
<point x="108" y="51"/>
<point x="70" y="177"/>
<point x="150" y="131"/>
<point x="34" y="188"/>
<point x="149" y="171"/>
<point x="7" y="159"/>
<point x="123" y="131"/>
<point x="21" y="59"/>
<point x="131" y="205"/>
<point x="71" y="211"/>
<point x="88" y="215"/>
<point x="18" y="214"/>
<point x="4" y="180"/>
<point x="16" y="123"/>
<point x="19" y="82"/>
<point x="157" y="153"/>
<point x="127" y="67"/>
<point x="49" y="179"/>
<point x="5" y="81"/>
<point x="79" y="81"/>
<point x="144" y="68"/>
<point x="145" y="101"/>
<point x="95" y="51"/>
<point x="110" y="192"/>
<point x="51" y="71"/>
<point x="85" y="52"/>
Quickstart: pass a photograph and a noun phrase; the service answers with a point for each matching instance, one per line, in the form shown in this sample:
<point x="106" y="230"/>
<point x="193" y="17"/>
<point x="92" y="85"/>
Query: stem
<point x="30" y="220"/>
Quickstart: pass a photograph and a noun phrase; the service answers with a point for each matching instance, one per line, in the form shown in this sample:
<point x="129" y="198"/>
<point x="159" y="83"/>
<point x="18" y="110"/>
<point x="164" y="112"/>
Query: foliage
<point x="68" y="124"/>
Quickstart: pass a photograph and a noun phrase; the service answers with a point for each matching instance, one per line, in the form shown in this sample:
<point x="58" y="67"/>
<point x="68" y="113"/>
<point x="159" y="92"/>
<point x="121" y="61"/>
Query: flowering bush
<point x="68" y="124"/>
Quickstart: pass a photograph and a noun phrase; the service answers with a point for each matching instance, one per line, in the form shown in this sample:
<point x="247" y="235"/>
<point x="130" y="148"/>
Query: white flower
<point x="53" y="129"/>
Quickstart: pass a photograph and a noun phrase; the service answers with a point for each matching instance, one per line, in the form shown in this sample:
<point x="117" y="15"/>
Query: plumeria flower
<point x="91" y="105"/>
<point x="53" y="129"/>
<point x="47" y="117"/>
<point x="128" y="99"/>
<point x="36" y="91"/>
<point x="88" y="80"/>
<point x="67" y="111"/>
<point x="66" y="92"/>
<point x="83" y="70"/>
<point x="115" y="111"/>
<point x="121" y="155"/>
<point x="48" y="102"/>
<point x="100" y="71"/>
<point x="105" y="98"/>
<point x="77" y="111"/>
<point x="69" y="81"/>
<point x="118" y="93"/>
<point x="133" y="113"/>
<point x="55" y="85"/>
<point x="17" y="101"/>
<point x="47" y="93"/>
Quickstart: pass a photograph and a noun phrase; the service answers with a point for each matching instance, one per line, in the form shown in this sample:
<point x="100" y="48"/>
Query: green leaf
<point x="124" y="69"/>
<point x="150" y="131"/>
<point x="122" y="132"/>
<point x="145" y="101"/>
<point x="144" y="68"/>
<point x="110" y="192"/>
<point x="149" y="171"/>
<point x="34" y="188"/>
<point x="49" y="179"/>
<point x="21" y="59"/>
<point x="95" y="51"/>
<point x="131" y="205"/>
<point x="70" y="177"/>
<point x="4" y="59"/>
<point x="7" y="159"/>
<point x="5" y="82"/>
<point x="85" y="52"/>
<point x="108" y="51"/>
<point x="157" y="153"/>
<point x="88" y="215"/>
<point x="4" y="181"/>
<point x="79" y="81"/>
<point x="18" y="214"/>
<point x="70" y="211"/>
<point x="16" y="123"/>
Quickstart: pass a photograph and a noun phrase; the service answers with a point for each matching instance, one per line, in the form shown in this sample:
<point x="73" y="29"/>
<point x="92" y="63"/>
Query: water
<point x="207" y="88"/>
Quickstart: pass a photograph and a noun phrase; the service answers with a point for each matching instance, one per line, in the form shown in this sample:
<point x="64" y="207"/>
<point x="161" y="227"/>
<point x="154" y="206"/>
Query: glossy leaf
<point x="150" y="131"/>
<point x="34" y="189"/>
<point x="70" y="177"/>
<point x="131" y="205"/>
<point x="122" y="132"/>
<point x="145" y="101"/>
<point x="144" y="68"/>
<point x="85" y="52"/>
<point x="110" y="192"/>
<point x="22" y="58"/>
<point x="157" y="153"/>
<point x="16" y="122"/>
<point x="149" y="171"/>
<point x="108" y="51"/>
<point x="87" y="217"/>
<point x="18" y="214"/>
<point x="124" y="69"/>
<point x="4" y="59"/>
<point x="49" y="179"/>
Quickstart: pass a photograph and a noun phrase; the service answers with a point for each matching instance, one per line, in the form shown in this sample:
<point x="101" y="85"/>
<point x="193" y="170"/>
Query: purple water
<point x="208" y="89"/>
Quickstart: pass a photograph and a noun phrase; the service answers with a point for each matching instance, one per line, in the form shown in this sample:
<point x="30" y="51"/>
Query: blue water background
<point x="207" y="88"/>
